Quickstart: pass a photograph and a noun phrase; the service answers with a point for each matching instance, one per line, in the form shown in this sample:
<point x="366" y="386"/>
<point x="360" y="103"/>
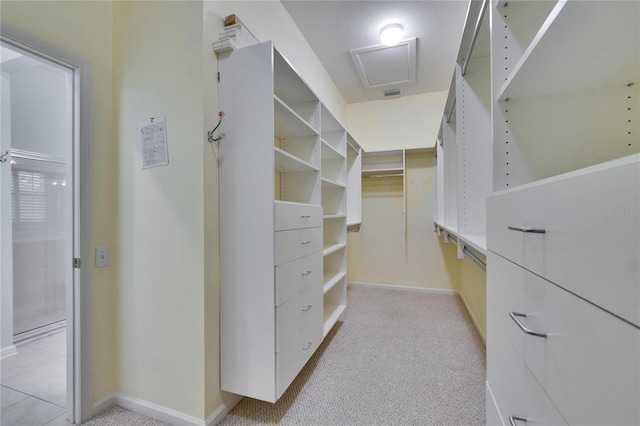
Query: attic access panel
<point x="386" y="65"/>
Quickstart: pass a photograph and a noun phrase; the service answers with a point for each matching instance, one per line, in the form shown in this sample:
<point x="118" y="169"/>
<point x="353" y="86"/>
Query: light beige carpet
<point x="395" y="358"/>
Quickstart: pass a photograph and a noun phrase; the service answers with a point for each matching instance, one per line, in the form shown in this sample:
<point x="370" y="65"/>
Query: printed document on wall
<point x="153" y="143"/>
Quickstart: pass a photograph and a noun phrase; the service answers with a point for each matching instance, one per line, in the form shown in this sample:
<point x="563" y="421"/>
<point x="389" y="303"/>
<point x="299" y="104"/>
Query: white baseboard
<point x="220" y="413"/>
<point x="406" y="288"/>
<point x="473" y="319"/>
<point x="8" y="351"/>
<point x="161" y="413"/>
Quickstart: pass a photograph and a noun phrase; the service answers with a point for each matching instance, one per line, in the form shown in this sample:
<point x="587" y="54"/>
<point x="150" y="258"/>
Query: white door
<point x="38" y="227"/>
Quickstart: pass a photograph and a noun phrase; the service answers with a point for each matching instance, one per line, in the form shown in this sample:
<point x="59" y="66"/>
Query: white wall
<point x="404" y="122"/>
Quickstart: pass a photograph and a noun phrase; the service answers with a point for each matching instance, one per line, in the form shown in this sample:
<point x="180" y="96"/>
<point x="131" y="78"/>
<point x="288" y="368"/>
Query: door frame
<point x="79" y="395"/>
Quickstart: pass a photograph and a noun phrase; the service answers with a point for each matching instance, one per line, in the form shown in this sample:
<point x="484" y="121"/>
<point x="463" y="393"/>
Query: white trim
<point x="79" y="328"/>
<point x="8" y="351"/>
<point x="221" y="412"/>
<point x="427" y="290"/>
<point x="161" y="413"/>
<point x="473" y="319"/>
<point x="405" y="288"/>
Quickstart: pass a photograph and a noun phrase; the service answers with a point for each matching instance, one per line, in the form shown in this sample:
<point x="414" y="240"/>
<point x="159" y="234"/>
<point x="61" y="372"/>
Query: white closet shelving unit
<point x="387" y="165"/>
<point x="334" y="203"/>
<point x="550" y="136"/>
<point x="464" y="153"/>
<point x="354" y="184"/>
<point x="283" y="219"/>
<point x="549" y="142"/>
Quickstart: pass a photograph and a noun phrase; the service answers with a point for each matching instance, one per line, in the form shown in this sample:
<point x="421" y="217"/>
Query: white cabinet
<point x="283" y="183"/>
<point x="562" y="172"/>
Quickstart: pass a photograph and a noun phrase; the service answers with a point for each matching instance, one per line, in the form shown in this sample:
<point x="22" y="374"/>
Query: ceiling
<point x="333" y="28"/>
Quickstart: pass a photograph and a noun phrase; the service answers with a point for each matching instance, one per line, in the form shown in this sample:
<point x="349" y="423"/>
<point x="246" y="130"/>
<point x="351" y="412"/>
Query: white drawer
<point x="298" y="334"/>
<point x="289" y="215"/>
<point x="589" y="363"/>
<point x="297" y="243"/>
<point x="590" y="245"/>
<point x="505" y="293"/>
<point x="515" y="391"/>
<point x="294" y="276"/>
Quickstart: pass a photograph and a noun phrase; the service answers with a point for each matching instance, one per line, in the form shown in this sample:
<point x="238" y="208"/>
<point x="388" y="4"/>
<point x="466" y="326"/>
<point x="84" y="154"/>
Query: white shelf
<point x="285" y="163"/>
<point x="582" y="45"/>
<point x="333" y="216"/>
<point x="288" y="124"/>
<point x="332" y="248"/>
<point x="331" y="279"/>
<point x="331" y="315"/>
<point x="329" y="152"/>
<point x="477" y="242"/>
<point x="327" y="183"/>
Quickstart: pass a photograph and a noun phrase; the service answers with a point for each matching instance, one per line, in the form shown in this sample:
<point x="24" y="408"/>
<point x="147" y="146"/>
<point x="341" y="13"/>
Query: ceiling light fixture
<point x="391" y="34"/>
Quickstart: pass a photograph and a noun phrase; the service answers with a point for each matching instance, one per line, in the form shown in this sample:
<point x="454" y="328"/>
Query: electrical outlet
<point x="102" y="257"/>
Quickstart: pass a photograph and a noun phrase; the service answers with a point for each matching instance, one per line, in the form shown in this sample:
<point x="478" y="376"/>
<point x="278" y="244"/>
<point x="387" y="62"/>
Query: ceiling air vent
<point x="391" y="93"/>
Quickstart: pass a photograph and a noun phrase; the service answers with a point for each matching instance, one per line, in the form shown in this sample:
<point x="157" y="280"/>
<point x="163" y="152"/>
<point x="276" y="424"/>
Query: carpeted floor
<point x="395" y="358"/>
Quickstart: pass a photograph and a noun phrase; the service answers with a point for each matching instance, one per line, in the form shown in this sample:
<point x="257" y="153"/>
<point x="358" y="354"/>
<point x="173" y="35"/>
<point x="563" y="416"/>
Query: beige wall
<point x="160" y="310"/>
<point x="404" y="122"/>
<point x="381" y="253"/>
<point x="89" y="38"/>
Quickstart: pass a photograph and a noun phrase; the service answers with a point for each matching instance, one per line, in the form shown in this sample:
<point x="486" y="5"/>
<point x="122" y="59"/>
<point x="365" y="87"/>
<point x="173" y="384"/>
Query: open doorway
<point x="38" y="227"/>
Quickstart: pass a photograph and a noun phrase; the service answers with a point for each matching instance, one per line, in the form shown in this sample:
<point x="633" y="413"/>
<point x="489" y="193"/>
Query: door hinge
<point x="76" y="262"/>
<point x="218" y="77"/>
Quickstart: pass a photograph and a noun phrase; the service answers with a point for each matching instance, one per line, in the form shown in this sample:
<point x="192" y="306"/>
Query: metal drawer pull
<point x="522" y="327"/>
<point x="306" y="273"/>
<point x="513" y="419"/>
<point x="306" y="242"/>
<point x="308" y="307"/>
<point x="305" y="216"/>
<point x="308" y="346"/>
<point x="527" y="229"/>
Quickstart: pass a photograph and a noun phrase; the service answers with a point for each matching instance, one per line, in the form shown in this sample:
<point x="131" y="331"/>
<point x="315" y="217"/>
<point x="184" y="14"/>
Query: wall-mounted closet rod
<point x="453" y="107"/>
<point x="383" y="176"/>
<point x="476" y="30"/>
<point x="475" y="259"/>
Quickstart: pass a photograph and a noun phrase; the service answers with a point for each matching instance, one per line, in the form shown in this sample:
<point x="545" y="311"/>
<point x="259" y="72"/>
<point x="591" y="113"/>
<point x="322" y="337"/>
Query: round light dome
<point x="391" y="34"/>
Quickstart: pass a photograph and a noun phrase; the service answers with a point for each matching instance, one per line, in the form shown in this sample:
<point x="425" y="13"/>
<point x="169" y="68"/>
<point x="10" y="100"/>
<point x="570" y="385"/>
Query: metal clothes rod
<point x="453" y="107"/>
<point x="475" y="259"/>
<point x="476" y="30"/>
<point x="383" y="176"/>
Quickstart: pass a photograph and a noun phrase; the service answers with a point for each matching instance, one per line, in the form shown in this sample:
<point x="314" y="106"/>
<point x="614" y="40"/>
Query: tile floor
<point x="34" y="383"/>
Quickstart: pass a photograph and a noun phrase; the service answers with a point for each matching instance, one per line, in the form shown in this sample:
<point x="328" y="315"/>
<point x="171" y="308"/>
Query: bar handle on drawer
<point x="305" y="216"/>
<point x="306" y="242"/>
<point x="308" y="307"/>
<point x="527" y="229"/>
<point x="306" y="273"/>
<point x="513" y="419"/>
<point x="308" y="346"/>
<point x="522" y="327"/>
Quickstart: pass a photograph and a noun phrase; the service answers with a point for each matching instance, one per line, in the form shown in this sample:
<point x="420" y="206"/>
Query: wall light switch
<point x="102" y="257"/>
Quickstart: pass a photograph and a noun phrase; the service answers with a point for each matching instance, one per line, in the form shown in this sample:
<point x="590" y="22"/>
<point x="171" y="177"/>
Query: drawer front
<point x="590" y="245"/>
<point x="294" y="276"/>
<point x="294" y="244"/>
<point x="296" y="216"/>
<point x="312" y="322"/>
<point x="514" y="389"/>
<point x="298" y="334"/>
<point x="589" y="363"/>
<point x="505" y="293"/>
